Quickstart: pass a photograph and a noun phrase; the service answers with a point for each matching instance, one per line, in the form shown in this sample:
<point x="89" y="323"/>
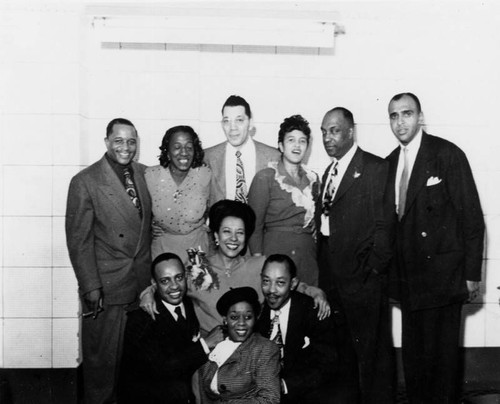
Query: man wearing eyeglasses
<point x="235" y="162"/>
<point x="108" y="219"/>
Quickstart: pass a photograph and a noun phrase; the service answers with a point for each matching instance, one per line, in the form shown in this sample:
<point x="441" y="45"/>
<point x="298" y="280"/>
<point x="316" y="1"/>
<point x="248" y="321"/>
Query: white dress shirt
<point x="249" y="160"/>
<point x="283" y="321"/>
<point x="342" y="165"/>
<point x="412" y="151"/>
<point x="171" y="308"/>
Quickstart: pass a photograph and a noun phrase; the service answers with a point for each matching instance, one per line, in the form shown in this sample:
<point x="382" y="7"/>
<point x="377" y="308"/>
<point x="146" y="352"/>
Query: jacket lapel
<point x="420" y="172"/>
<point x="114" y="190"/>
<point x="354" y="170"/>
<point x="219" y="169"/>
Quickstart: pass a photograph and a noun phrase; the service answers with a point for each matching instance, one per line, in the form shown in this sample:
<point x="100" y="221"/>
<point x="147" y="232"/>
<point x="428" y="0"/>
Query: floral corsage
<point x="202" y="276"/>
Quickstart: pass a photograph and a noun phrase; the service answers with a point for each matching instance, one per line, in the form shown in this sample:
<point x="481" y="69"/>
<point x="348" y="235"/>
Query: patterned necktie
<point x="241" y="186"/>
<point x="330" y="189"/>
<point x="130" y="189"/>
<point x="403" y="184"/>
<point x="278" y="337"/>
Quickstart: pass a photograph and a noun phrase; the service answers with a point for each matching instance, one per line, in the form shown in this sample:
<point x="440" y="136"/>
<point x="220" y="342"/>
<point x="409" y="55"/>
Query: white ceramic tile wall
<point x="1" y="343"/>
<point x="65" y="301"/>
<point x="492" y="318"/>
<point x="27" y="292"/>
<point x="473" y="325"/>
<point x="66" y="137"/>
<point x="29" y="191"/>
<point x="27" y="241"/>
<point x="65" y="343"/>
<point x="27" y="139"/>
<point x="27" y="343"/>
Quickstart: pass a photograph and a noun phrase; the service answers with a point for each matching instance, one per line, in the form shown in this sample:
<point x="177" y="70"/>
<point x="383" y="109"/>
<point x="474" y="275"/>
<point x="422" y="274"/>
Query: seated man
<point x="160" y="356"/>
<point x="308" y="354"/>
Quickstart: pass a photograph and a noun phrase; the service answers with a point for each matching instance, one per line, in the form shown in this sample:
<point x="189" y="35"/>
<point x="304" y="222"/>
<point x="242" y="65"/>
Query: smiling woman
<point x="179" y="188"/>
<point x="245" y="366"/>
<point x="282" y="197"/>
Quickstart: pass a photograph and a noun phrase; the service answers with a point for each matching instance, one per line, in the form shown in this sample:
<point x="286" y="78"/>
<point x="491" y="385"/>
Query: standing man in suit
<point x="439" y="246"/>
<point x="108" y="219"/>
<point x="354" y="253"/>
<point x="235" y="162"/>
<point x="161" y="355"/>
<point x="307" y="343"/>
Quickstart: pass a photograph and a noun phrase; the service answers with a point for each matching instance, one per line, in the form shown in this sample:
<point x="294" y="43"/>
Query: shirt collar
<point x="284" y="310"/>
<point x="346" y="158"/>
<point x="171" y="308"/>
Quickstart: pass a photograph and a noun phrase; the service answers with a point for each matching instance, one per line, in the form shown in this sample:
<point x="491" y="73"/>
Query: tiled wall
<point x="61" y="89"/>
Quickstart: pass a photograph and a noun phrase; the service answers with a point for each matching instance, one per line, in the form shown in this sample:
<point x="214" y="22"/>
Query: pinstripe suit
<point x="250" y="375"/>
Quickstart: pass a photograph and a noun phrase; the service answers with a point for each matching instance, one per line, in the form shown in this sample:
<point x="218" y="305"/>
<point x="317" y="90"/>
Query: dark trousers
<point x="368" y="327"/>
<point x="102" y="344"/>
<point x="430" y="354"/>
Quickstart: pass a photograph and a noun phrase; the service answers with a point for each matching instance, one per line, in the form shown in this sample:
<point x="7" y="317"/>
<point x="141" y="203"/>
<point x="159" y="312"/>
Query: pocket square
<point x="307" y="342"/>
<point x="433" y="181"/>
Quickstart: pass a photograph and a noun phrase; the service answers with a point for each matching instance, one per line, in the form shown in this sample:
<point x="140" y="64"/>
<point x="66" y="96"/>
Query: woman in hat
<point x="245" y="366"/>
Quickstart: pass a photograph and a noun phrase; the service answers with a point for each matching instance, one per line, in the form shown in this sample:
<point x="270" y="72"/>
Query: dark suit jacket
<point x="359" y="241"/>
<point x="215" y="157"/>
<point x="250" y="375"/>
<point x="306" y="368"/>
<point x="159" y="357"/>
<point x="439" y="240"/>
<point x="108" y="242"/>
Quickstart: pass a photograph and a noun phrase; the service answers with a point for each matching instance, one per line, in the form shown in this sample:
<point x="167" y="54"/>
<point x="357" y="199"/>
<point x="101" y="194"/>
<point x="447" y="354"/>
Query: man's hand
<point x="156" y="230"/>
<point x="473" y="288"/>
<point x="148" y="303"/>
<point x="93" y="301"/>
<point x="214" y="337"/>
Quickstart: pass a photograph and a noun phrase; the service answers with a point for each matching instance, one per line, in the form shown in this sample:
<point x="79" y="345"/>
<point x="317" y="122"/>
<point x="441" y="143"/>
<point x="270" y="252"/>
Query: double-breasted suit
<point x="160" y="356"/>
<point x="109" y="247"/>
<point x="439" y="246"/>
<point x="309" y="358"/>
<point x="353" y="268"/>
<point x="215" y="157"/>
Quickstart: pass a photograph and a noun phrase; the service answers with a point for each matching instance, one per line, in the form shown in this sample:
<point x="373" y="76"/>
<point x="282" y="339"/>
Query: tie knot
<point x="178" y="311"/>
<point x="238" y="154"/>
<point x="276" y="317"/>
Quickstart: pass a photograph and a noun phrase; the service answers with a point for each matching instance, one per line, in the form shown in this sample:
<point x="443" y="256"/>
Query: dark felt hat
<point x="236" y="295"/>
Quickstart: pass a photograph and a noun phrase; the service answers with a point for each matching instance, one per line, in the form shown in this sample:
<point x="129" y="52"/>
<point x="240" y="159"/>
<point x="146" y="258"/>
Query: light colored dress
<point x="285" y="217"/>
<point x="181" y="210"/>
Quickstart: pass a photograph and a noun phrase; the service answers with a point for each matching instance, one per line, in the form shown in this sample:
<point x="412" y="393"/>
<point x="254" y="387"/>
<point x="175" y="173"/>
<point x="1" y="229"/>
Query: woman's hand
<point x="320" y="300"/>
<point x="148" y="303"/>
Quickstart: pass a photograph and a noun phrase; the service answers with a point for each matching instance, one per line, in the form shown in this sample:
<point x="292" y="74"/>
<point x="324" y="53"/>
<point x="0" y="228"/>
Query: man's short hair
<point x="345" y="113"/>
<point x="282" y="259"/>
<point x="164" y="257"/>
<point x="237" y="101"/>
<point x="397" y="97"/>
<point x="118" y="121"/>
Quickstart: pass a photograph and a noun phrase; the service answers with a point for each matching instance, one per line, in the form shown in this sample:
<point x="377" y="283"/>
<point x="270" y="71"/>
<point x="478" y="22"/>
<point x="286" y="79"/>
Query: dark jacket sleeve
<point x="381" y="252"/>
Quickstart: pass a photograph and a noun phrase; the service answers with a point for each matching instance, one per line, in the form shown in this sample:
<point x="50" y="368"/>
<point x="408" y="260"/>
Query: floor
<point x="60" y="386"/>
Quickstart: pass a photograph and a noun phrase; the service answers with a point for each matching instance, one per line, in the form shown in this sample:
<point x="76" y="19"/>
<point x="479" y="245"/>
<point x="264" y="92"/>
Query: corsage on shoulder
<point x="199" y="271"/>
